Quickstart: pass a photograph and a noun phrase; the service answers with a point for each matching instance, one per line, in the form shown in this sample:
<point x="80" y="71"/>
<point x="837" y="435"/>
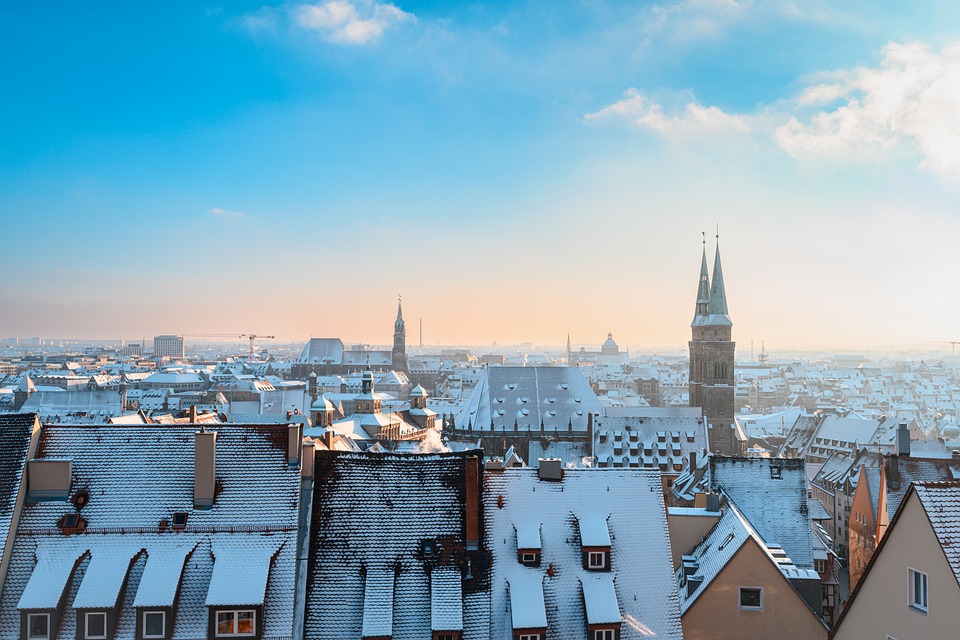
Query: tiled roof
<point x="371" y="514"/>
<point x="630" y="501"/>
<point x="15" y="432"/>
<point x="137" y="476"/>
<point x="913" y="470"/>
<point x="776" y="507"/>
<point x="941" y="502"/>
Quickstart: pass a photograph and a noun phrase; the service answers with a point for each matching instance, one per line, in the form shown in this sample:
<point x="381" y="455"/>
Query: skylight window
<point x="180" y="519"/>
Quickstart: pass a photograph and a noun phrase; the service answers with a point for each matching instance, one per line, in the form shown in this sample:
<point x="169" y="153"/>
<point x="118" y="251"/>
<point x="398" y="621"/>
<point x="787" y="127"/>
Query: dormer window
<point x="237" y="623"/>
<point x="154" y="625"/>
<point x="596" y="559"/>
<point x="38" y="626"/>
<point x="95" y="625"/>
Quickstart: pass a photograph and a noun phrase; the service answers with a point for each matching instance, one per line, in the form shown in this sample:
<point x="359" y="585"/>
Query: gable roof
<point x="775" y="507"/>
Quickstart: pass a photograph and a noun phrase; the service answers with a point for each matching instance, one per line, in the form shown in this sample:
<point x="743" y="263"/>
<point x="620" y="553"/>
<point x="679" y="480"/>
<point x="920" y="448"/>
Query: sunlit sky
<point x="517" y="171"/>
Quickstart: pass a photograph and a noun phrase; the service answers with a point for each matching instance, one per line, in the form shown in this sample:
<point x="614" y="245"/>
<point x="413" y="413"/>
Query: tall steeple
<point x="399" y="340"/>
<point x="399" y="324"/>
<point x="703" y="288"/>
<point x="718" y="295"/>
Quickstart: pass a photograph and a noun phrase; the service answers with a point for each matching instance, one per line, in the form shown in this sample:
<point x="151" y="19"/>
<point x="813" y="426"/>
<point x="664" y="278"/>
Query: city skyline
<point x="518" y="172"/>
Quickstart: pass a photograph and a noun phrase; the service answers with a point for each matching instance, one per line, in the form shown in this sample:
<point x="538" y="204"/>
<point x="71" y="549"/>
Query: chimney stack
<point x="294" y="440"/>
<point x="193" y="414"/>
<point x="204" y="468"/>
<point x="902" y="442"/>
<point x="309" y="449"/>
<point x="693" y="461"/>
<point x="472" y="468"/>
<point x="894" y="472"/>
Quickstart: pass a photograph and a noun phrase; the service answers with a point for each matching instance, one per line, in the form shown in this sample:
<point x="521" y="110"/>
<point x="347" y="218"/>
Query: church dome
<point x="609" y="346"/>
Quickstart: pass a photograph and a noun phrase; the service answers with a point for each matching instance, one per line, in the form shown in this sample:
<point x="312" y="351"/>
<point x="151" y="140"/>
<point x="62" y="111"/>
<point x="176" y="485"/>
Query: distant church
<point x="712" y="379"/>
<point x="327" y="356"/>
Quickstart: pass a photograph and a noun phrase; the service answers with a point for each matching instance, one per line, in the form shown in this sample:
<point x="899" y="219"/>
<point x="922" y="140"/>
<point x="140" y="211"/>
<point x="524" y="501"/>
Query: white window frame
<point x="740" y="604"/>
<point x="528" y="557"/>
<point x="603" y="634"/>
<point x="235" y="613"/>
<point x="590" y="559"/>
<point x="86" y="625"/>
<point x="530" y="636"/>
<point x="30" y="617"/>
<point x="918" y="601"/>
<point x="143" y="624"/>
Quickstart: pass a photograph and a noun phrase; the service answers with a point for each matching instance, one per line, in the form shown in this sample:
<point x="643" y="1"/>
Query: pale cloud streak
<point x="911" y="98"/>
<point x="223" y="213"/>
<point x="350" y="22"/>
<point x="641" y="112"/>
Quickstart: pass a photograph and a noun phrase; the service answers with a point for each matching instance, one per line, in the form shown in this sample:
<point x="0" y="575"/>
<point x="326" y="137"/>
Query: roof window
<point x="180" y="520"/>
<point x="776" y="473"/>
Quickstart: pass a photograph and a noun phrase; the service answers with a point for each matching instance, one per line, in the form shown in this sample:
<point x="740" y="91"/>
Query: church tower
<point x="712" y="379"/>
<point x="399" y="341"/>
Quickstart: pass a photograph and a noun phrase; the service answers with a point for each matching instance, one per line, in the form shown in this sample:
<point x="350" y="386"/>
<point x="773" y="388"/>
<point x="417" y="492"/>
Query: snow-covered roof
<point x="240" y="569"/>
<point x="772" y="494"/>
<point x="560" y="398"/>
<point x="640" y="562"/>
<point x="446" y="598"/>
<point x="527" y="608"/>
<point x="600" y="599"/>
<point x="941" y="502"/>
<point x="136" y="477"/>
<point x="371" y="516"/>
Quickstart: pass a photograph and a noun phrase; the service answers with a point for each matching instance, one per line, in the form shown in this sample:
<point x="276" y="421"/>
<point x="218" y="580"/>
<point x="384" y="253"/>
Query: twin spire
<point x="711" y="298"/>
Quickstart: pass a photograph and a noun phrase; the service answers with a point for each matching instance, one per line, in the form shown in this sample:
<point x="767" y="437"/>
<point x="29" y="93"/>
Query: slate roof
<point x="631" y="503"/>
<point x="371" y="513"/>
<point x="776" y="508"/>
<point x="137" y="476"/>
<point x="322" y="351"/>
<point x="560" y="397"/>
<point x="15" y="432"/>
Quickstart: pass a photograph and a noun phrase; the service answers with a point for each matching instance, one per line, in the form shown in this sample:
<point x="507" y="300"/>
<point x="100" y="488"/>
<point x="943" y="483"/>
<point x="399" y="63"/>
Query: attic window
<point x="180" y="519"/>
<point x="429" y="548"/>
<point x="232" y="624"/>
<point x="776" y="473"/>
<point x="71" y="523"/>
<point x="95" y="625"/>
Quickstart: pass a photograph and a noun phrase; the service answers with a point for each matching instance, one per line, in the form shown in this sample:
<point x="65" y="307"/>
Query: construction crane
<point x="249" y="336"/>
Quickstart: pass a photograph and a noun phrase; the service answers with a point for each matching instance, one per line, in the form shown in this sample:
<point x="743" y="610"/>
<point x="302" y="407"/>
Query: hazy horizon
<point x="517" y="171"/>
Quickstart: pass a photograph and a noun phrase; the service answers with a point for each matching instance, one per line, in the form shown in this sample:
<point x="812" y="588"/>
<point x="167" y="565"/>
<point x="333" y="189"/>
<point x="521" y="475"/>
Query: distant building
<point x="327" y="356"/>
<point x="548" y="408"/>
<point x="609" y="354"/>
<point x="168" y="346"/>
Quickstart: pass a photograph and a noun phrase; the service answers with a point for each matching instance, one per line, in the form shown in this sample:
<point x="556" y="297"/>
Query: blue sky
<point x="517" y="170"/>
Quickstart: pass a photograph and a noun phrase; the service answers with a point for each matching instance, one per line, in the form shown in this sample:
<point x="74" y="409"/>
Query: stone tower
<point x="399" y="341"/>
<point x="712" y="378"/>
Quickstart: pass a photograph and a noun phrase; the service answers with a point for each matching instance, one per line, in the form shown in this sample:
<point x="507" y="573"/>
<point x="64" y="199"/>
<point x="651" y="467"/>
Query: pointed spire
<point x="718" y="295"/>
<point x="399" y="325"/>
<point x="703" y="287"/>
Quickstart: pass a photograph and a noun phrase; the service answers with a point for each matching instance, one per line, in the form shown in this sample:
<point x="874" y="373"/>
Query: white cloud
<point x="695" y="119"/>
<point x="223" y="213"/>
<point x="911" y="98"/>
<point x="350" y="22"/>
